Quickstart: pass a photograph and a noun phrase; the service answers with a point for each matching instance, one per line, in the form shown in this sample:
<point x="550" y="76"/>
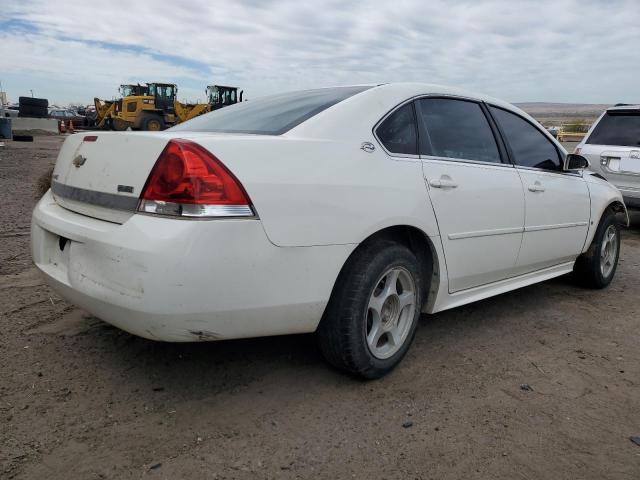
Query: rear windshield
<point x="620" y="128"/>
<point x="272" y="115"/>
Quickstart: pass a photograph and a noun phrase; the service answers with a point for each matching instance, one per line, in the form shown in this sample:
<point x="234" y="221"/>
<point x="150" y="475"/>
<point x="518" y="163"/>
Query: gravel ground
<point x="538" y="383"/>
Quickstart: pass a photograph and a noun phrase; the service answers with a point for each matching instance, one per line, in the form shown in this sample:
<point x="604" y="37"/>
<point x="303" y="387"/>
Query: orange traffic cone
<point x="61" y="127"/>
<point x="71" y="126"/>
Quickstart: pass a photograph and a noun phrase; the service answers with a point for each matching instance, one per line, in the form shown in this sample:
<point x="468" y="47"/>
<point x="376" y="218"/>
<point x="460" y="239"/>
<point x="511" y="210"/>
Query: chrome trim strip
<point x="553" y="172"/>
<point x="485" y="233"/>
<point x="538" y="228"/>
<point x="464" y="160"/>
<point x="101" y="199"/>
<point x="508" y="231"/>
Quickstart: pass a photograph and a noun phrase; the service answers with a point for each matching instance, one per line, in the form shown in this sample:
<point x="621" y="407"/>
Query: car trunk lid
<point x="101" y="175"/>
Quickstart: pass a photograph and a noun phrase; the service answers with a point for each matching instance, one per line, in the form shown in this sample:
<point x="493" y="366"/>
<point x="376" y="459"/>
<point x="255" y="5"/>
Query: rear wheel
<point x="374" y="309"/>
<point x="596" y="267"/>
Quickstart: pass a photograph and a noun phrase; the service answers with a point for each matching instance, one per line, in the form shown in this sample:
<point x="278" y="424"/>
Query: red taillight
<point x="90" y="138"/>
<point x="187" y="180"/>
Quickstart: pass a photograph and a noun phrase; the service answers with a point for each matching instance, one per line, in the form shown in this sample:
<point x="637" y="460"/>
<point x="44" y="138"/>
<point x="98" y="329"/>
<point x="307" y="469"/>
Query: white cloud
<point x="562" y="50"/>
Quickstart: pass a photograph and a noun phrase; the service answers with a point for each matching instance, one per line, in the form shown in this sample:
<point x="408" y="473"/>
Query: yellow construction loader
<point x="154" y="106"/>
<point x="141" y="107"/>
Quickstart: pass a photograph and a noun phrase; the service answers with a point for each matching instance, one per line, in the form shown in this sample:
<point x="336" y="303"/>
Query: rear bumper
<point x="183" y="280"/>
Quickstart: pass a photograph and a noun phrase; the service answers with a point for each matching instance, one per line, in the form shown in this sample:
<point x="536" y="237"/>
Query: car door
<point x="476" y="195"/>
<point x="557" y="203"/>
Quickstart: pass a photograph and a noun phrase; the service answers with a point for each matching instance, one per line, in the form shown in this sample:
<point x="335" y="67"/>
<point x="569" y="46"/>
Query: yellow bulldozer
<point x="154" y="106"/>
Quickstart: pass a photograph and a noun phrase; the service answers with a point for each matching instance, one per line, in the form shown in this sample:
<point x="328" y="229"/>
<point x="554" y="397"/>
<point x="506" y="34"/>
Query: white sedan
<point x="346" y="211"/>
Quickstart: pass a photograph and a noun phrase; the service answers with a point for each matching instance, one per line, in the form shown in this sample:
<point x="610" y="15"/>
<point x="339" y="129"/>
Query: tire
<point x="591" y="269"/>
<point x="33" y="102"/>
<point x="119" y="125"/>
<point x="23" y="138"/>
<point x="151" y="122"/>
<point x="350" y="319"/>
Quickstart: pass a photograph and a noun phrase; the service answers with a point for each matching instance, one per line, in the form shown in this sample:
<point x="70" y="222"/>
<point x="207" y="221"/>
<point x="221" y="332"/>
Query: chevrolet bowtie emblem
<point x="79" y="161"/>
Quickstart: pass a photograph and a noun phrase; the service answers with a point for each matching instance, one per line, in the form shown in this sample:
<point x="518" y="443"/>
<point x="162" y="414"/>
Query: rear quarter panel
<point x="321" y="192"/>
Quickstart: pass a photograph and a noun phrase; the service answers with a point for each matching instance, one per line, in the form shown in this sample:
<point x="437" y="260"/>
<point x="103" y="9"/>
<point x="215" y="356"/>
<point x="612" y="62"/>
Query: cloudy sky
<point x="559" y="50"/>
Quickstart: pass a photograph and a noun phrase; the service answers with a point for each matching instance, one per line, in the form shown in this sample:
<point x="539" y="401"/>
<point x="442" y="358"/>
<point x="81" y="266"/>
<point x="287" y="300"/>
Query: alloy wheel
<point x="390" y="312"/>
<point x="609" y="251"/>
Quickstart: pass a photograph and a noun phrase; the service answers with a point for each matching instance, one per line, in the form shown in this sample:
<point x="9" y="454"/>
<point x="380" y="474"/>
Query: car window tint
<point x="457" y="129"/>
<point x="272" y="115"/>
<point x="530" y="147"/>
<point x="621" y="128"/>
<point x="398" y="133"/>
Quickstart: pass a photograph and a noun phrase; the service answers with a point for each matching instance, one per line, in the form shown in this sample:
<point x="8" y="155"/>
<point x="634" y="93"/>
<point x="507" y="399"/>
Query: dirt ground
<point x="82" y="400"/>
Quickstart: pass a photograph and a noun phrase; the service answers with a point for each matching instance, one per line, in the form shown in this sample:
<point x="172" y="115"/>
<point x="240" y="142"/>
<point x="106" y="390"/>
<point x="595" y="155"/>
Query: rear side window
<point x="273" y="115"/>
<point x="398" y="133"/>
<point x="456" y="129"/>
<point x="621" y="128"/>
<point x="529" y="146"/>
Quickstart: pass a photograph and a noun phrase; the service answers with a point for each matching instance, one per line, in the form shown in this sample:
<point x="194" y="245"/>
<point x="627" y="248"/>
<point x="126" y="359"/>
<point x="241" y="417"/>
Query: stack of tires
<point x="33" y="107"/>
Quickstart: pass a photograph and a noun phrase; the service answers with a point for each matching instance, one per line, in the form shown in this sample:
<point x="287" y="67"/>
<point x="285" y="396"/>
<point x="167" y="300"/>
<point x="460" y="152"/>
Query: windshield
<point x="164" y="91"/>
<point x="127" y="90"/>
<point x="225" y="96"/>
<point x="617" y="127"/>
<point x="272" y="115"/>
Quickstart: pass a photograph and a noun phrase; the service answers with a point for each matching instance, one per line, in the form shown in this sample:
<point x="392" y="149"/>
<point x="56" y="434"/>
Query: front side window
<point x="398" y="133"/>
<point x="617" y="127"/>
<point x="456" y="129"/>
<point x="529" y="146"/>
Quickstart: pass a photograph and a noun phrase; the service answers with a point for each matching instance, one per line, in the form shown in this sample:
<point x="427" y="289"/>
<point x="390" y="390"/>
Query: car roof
<point x="416" y="89"/>
<point x="369" y="106"/>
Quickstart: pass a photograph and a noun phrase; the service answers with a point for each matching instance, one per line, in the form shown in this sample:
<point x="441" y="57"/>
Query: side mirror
<point x="575" y="162"/>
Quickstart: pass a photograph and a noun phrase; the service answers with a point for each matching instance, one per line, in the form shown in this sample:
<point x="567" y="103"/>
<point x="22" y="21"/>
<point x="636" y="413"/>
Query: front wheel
<point x="596" y="267"/>
<point x="373" y="312"/>
<point x="152" y="123"/>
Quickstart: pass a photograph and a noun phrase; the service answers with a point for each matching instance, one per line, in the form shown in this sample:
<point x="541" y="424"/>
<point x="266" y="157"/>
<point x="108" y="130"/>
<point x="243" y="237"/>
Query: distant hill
<point x="549" y="113"/>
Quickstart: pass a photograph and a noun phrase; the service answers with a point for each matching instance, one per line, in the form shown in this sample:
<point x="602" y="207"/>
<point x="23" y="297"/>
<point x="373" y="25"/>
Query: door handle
<point x="443" y="182"/>
<point x="536" y="187"/>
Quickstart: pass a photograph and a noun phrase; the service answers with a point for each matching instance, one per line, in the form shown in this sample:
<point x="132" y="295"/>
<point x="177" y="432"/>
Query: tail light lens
<point x="189" y="181"/>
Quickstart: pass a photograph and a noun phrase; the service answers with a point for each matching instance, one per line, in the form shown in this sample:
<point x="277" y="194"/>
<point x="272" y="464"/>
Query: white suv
<point x="612" y="146"/>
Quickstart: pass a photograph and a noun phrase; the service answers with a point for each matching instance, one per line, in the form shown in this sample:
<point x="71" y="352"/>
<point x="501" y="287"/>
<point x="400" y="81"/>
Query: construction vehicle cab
<point x="164" y="96"/>
<point x="131" y="90"/>
<point x="222" y="96"/>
